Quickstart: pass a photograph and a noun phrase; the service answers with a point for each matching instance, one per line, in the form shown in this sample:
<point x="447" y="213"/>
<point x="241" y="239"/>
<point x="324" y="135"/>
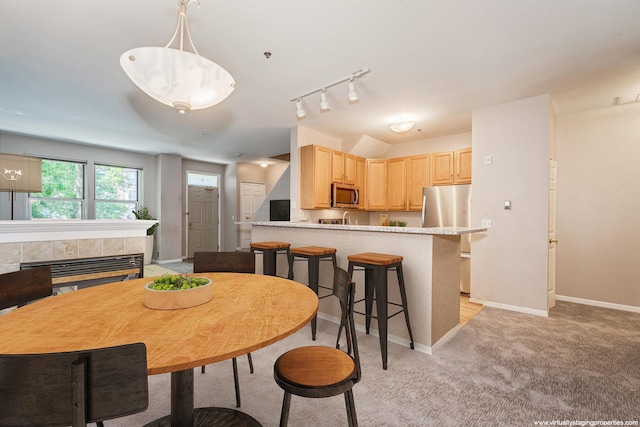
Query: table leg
<point x="184" y="415"/>
<point x="182" y="398"/>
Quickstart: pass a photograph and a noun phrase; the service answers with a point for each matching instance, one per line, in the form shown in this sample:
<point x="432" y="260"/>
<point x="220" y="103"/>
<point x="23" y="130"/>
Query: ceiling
<point x="431" y="60"/>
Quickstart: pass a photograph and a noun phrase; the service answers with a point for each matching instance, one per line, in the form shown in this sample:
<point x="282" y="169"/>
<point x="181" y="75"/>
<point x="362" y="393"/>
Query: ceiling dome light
<point x="300" y="113"/>
<point x="264" y="165"/>
<point x="324" y="104"/>
<point x="177" y="78"/>
<point x="402" y="127"/>
<point x="353" y="95"/>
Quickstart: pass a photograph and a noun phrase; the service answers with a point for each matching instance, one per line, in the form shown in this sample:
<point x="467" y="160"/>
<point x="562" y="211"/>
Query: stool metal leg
<point x="405" y="307"/>
<point x="369" y="288"/>
<point x="269" y="259"/>
<point x="314" y="273"/>
<point x="380" y="279"/>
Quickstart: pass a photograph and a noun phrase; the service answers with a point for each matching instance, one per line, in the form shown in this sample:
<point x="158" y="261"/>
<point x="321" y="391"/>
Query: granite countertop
<point x="452" y="231"/>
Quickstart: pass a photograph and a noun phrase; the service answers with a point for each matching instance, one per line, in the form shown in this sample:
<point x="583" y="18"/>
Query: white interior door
<point x="202" y="217"/>
<point x="251" y="197"/>
<point x="553" y="238"/>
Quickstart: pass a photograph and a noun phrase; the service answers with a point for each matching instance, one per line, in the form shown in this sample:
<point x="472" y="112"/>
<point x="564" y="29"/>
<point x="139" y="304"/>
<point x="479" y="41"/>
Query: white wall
<point x="599" y="205"/>
<point x="509" y="262"/>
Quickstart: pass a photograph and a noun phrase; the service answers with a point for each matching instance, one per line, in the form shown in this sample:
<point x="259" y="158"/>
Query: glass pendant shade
<point x="402" y="127"/>
<point x="179" y="79"/>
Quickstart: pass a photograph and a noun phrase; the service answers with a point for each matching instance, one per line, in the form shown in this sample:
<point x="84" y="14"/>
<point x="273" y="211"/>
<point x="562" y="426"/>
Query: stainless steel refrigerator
<point x="450" y="206"/>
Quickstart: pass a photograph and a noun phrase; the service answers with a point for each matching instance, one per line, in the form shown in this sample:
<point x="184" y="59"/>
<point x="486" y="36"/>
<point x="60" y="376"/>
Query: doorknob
<point x="552" y="241"/>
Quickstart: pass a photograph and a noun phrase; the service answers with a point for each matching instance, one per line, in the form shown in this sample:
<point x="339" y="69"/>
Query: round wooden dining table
<point x="247" y="312"/>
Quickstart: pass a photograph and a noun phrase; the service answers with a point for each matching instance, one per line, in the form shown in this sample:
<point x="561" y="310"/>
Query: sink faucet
<point x="346" y="217"/>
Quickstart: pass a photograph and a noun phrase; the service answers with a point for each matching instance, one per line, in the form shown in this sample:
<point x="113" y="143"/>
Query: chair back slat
<point x="235" y="262"/>
<point x="21" y="287"/>
<point x="37" y="389"/>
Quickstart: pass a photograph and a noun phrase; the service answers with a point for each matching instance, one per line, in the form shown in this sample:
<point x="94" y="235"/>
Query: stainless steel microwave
<point x="345" y="196"/>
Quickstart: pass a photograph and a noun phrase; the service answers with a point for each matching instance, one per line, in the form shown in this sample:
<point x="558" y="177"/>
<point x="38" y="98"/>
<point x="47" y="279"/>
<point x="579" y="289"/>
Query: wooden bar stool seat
<point x="269" y="251"/>
<point x="313" y="255"/>
<point x="376" y="266"/>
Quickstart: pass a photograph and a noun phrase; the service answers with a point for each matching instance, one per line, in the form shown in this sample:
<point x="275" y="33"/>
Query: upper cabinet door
<point x="397" y="184"/>
<point x="442" y="168"/>
<point x="463" y="166"/>
<point x="418" y="177"/>
<point x="377" y="185"/>
<point x="350" y="169"/>
<point x="337" y="166"/>
<point x="315" y="177"/>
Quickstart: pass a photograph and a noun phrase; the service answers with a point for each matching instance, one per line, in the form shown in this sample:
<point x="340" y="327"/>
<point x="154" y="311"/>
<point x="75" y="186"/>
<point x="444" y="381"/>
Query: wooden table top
<point x="247" y="312"/>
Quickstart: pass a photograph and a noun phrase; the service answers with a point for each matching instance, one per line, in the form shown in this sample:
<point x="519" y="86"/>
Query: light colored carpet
<point x="501" y="369"/>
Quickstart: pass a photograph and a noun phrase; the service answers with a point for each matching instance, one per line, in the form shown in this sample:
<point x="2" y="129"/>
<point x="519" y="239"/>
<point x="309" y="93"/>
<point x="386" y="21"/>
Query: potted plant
<point x="143" y="213"/>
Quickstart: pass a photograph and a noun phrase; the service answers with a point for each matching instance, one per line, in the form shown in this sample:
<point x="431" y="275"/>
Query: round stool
<point x="313" y="255"/>
<point x="376" y="266"/>
<point x="270" y="250"/>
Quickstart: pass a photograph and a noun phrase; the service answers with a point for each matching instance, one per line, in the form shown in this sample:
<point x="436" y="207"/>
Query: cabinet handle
<point x="552" y="241"/>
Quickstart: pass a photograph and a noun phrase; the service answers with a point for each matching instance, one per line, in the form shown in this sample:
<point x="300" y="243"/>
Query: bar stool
<point x="376" y="266"/>
<point x="269" y="251"/>
<point x="313" y="255"/>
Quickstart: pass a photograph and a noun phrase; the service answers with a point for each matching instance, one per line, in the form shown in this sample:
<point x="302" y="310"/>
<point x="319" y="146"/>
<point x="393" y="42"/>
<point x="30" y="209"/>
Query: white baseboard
<point x="393" y="338"/>
<point x="167" y="261"/>
<point x="631" y="308"/>
<point x="526" y="310"/>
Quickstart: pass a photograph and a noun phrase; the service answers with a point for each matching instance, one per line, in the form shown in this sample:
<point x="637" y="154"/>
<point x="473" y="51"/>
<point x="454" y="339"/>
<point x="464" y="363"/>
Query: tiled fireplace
<point x="46" y="240"/>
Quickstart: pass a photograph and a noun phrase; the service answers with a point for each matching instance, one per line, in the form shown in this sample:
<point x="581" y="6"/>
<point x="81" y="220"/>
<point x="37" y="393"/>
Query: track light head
<point x="352" y="95"/>
<point x="300" y="113"/>
<point x="324" y="104"/>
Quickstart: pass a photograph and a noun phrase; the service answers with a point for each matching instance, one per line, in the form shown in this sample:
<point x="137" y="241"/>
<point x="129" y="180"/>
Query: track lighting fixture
<point x="352" y="95"/>
<point x="324" y="104"/>
<point x="300" y="113"/>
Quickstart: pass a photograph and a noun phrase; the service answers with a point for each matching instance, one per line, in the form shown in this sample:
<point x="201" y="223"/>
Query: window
<point x="202" y="180"/>
<point x="117" y="190"/>
<point x="62" y="195"/>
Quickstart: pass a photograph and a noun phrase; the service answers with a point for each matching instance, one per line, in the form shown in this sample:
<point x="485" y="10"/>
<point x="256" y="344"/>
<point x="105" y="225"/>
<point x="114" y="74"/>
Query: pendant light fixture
<point x="175" y="77"/>
<point x="402" y="127"/>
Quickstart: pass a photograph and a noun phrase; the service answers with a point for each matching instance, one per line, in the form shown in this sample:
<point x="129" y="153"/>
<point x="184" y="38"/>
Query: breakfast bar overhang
<point x="431" y="268"/>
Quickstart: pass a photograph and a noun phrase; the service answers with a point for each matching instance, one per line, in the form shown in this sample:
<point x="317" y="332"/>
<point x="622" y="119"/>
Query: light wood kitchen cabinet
<point x="442" y="168"/>
<point x="315" y="177"/>
<point x="361" y="181"/>
<point x="463" y="166"/>
<point x="418" y="177"/>
<point x="451" y="167"/>
<point x="343" y="167"/>
<point x="377" y="192"/>
<point x="397" y="169"/>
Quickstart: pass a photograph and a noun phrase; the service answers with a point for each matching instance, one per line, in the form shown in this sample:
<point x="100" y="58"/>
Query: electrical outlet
<point x="486" y="223"/>
<point x="488" y="160"/>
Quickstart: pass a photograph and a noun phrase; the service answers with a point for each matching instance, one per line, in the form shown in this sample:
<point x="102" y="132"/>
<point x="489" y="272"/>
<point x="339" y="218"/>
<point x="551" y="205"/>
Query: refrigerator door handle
<point x="423" y="220"/>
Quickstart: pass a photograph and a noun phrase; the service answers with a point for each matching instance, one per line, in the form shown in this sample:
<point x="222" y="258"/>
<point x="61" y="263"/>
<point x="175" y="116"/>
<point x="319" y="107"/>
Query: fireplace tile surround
<point x="46" y="240"/>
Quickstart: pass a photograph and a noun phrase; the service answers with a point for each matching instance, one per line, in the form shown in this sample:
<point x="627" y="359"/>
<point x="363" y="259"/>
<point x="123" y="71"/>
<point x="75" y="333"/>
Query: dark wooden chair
<point x="320" y="371"/>
<point x="236" y="262"/>
<point x="21" y="287"/>
<point x="73" y="388"/>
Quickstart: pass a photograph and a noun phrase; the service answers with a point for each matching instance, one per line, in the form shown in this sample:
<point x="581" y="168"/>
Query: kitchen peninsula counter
<point x="431" y="268"/>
